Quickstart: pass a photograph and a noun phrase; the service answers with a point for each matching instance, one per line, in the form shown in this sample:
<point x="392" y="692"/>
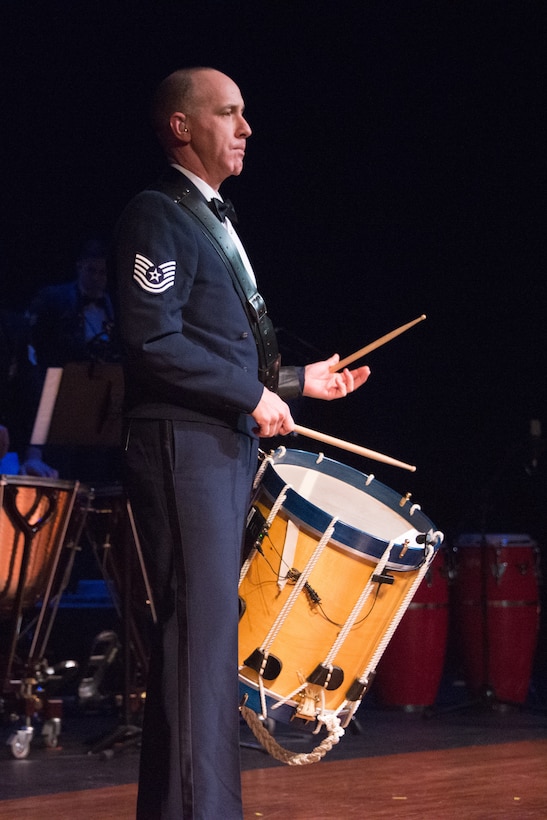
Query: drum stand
<point x="34" y="518"/>
<point x="127" y="733"/>
<point x="486" y="697"/>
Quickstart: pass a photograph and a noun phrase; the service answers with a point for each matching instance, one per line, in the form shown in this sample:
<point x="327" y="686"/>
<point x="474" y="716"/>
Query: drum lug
<point x="358" y="689"/>
<point x="328" y="678"/>
<point x="267" y="666"/>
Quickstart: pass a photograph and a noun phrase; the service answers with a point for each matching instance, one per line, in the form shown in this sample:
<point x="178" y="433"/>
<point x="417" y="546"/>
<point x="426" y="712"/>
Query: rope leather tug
<point x="291" y="758"/>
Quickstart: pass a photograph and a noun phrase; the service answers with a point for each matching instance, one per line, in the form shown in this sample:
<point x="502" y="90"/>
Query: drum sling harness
<point x="269" y="358"/>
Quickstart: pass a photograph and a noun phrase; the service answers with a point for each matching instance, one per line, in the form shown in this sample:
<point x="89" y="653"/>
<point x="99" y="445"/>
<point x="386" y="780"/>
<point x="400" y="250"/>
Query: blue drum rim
<point x="344" y="534"/>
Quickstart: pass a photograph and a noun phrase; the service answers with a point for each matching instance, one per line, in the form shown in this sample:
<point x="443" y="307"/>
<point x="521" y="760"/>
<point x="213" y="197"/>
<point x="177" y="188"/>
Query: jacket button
<point x="244" y="335"/>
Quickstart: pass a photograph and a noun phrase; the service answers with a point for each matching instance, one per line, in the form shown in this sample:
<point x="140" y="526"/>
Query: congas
<point x="335" y="558"/>
<point x="410" y="671"/>
<point x="496" y="606"/>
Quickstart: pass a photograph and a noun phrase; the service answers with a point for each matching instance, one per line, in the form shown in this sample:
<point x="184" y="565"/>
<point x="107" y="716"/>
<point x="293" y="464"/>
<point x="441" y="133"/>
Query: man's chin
<point x="237" y="168"/>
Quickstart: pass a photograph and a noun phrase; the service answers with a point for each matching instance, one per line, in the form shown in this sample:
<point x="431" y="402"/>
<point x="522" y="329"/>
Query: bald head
<point x="175" y="93"/>
<point x="198" y="117"/>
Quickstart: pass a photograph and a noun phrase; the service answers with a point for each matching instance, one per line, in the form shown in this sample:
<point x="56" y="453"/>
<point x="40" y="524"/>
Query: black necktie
<point x="223" y="209"/>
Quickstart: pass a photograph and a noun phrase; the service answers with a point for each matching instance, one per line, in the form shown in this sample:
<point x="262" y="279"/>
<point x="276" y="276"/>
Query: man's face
<point x="92" y="276"/>
<point x="217" y="128"/>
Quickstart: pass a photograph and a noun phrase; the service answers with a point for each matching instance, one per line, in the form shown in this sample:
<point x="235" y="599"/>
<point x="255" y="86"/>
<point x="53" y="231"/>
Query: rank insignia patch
<point x="151" y="277"/>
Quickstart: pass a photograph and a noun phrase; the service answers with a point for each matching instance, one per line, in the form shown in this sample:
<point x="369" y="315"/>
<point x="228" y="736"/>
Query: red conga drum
<point x="496" y="604"/>
<point x="410" y="670"/>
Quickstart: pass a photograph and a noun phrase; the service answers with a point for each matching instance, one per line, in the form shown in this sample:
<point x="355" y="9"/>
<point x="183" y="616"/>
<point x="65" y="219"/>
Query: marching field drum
<point x="496" y="604"/>
<point x="334" y="558"/>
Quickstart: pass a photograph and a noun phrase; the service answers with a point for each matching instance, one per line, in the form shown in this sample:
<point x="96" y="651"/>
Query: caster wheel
<point x="19" y="743"/>
<point x="50" y="732"/>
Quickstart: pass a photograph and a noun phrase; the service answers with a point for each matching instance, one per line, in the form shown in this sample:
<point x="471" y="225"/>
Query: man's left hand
<point x="321" y="383"/>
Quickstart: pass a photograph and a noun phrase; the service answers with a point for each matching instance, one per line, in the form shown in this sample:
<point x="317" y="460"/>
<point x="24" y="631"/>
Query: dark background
<point x="396" y="168"/>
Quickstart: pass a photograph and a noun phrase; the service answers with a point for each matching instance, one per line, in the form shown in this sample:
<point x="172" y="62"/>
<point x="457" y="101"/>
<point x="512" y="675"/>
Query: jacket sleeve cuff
<point x="291" y="382"/>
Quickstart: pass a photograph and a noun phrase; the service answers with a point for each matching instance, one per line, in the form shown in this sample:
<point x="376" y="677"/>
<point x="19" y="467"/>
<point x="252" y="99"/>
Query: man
<point x="194" y="337"/>
<point x="74" y="322"/>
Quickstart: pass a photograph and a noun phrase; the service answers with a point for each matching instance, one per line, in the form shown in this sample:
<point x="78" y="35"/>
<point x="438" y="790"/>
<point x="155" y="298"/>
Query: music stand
<point x="82" y="405"/>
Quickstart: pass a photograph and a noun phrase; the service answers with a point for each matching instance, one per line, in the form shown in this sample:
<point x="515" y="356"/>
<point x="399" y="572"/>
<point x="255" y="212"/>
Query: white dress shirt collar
<point x="204" y="187"/>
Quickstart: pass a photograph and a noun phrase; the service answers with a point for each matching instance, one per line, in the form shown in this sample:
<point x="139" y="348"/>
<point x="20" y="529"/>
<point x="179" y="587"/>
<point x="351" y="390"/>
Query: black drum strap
<point x="264" y="334"/>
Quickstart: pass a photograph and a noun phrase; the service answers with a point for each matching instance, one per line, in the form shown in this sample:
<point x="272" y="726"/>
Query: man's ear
<point x="177" y="124"/>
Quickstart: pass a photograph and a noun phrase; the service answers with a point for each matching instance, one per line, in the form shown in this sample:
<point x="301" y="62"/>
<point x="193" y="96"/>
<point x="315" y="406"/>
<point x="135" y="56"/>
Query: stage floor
<point x="378" y="769"/>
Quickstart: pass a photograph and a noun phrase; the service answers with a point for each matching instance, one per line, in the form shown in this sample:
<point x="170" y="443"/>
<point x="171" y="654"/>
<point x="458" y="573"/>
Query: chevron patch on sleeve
<point x="151" y="277"/>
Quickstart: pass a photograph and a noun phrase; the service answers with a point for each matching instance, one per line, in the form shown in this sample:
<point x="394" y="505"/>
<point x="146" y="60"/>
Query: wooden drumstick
<point x="352" y="448"/>
<point x="378" y="343"/>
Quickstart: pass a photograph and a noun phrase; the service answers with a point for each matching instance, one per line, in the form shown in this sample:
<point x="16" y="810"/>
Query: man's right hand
<point x="272" y="416"/>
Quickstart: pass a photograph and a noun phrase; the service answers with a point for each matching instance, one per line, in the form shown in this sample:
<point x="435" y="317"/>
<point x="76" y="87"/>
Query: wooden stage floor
<point x="476" y="783"/>
<point x="473" y="764"/>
